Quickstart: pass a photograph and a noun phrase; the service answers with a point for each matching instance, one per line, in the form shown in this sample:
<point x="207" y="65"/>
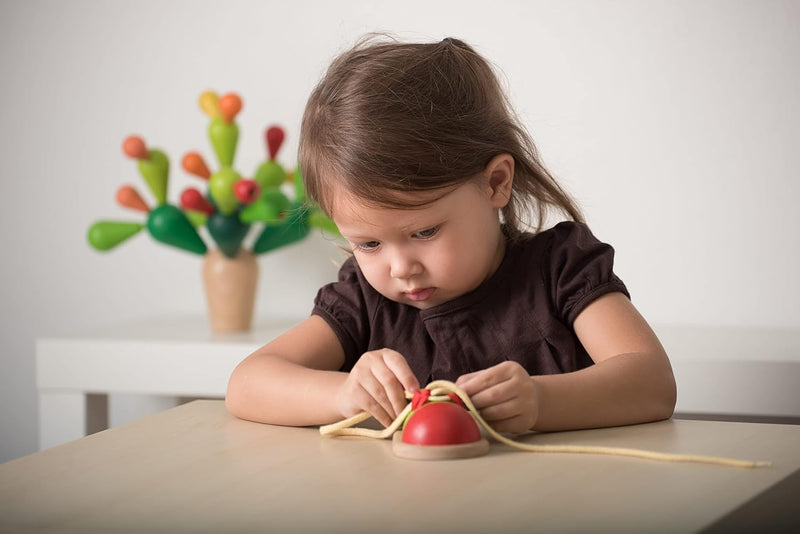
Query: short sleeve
<point x="342" y="305"/>
<point x="581" y="270"/>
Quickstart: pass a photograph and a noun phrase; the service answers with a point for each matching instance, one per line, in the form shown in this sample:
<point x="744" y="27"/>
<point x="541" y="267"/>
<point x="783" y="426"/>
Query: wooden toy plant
<point x="441" y="423"/>
<point x="228" y="210"/>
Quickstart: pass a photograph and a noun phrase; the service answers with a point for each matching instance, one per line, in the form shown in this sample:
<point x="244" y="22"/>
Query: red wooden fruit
<point x="440" y="423"/>
<point x="274" y="137"/>
<point x="192" y="199"/>
<point x="246" y="190"/>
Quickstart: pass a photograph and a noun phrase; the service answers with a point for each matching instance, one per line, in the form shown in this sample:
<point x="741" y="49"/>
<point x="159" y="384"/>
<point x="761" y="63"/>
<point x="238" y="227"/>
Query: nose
<point x="403" y="265"/>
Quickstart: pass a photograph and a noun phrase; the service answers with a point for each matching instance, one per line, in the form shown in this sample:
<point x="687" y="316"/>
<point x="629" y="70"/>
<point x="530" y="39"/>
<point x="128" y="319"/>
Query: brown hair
<point x="392" y="117"/>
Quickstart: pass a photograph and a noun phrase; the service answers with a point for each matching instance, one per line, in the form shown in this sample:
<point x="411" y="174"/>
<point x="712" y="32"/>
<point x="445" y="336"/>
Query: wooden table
<point x="195" y="468"/>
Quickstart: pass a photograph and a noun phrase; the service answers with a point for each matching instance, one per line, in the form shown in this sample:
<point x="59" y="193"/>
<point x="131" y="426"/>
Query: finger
<point x="513" y="425"/>
<point x="392" y="388"/>
<point x="464" y="379"/>
<point x="475" y="383"/>
<point x="494" y="395"/>
<point x="399" y="366"/>
<point x="373" y="375"/>
<point x="372" y="406"/>
<point x="504" y="410"/>
<point x="503" y="372"/>
<point x="377" y="394"/>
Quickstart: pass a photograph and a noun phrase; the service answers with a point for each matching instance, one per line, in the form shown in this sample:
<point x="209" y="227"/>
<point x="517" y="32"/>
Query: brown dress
<point x="523" y="312"/>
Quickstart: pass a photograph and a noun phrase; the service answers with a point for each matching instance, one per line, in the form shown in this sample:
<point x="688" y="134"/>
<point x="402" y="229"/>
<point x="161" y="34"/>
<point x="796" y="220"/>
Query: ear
<point x="498" y="177"/>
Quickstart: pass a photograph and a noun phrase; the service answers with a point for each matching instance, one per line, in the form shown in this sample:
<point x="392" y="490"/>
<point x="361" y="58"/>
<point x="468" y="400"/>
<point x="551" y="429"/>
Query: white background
<point x="674" y="123"/>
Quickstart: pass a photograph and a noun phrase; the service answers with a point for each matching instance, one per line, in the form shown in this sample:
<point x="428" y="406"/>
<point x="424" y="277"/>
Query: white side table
<point x="164" y="358"/>
<point x="741" y="372"/>
<point x="720" y="371"/>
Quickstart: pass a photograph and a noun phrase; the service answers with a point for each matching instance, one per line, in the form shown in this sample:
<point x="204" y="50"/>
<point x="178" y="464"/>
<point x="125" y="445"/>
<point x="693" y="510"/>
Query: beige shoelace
<point x="439" y="392"/>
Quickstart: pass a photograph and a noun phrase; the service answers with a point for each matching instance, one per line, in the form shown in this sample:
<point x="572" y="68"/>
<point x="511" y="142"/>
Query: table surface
<point x="197" y="468"/>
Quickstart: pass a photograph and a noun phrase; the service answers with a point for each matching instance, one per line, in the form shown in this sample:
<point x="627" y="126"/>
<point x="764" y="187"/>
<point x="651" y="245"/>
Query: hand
<point x="377" y="385"/>
<point x="506" y="397"/>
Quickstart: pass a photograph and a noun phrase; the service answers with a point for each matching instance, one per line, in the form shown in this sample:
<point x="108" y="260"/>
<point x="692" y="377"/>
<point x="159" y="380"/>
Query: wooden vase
<point x="230" y="285"/>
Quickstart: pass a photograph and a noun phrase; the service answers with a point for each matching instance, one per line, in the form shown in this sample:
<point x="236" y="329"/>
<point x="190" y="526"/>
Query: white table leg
<point x="66" y="416"/>
<point x="62" y="417"/>
<point x="124" y="408"/>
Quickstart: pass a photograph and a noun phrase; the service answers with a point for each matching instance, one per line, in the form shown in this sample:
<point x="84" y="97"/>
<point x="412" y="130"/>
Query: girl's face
<point x="426" y="256"/>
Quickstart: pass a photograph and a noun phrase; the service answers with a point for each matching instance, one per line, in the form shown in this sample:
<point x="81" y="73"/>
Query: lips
<point x="419" y="295"/>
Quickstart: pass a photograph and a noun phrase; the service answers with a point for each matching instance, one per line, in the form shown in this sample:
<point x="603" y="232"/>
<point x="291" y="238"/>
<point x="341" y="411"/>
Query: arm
<point x="631" y="381"/>
<point x="293" y="380"/>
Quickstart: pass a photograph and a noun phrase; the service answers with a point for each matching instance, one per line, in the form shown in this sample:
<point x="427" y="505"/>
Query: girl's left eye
<point x="427" y="233"/>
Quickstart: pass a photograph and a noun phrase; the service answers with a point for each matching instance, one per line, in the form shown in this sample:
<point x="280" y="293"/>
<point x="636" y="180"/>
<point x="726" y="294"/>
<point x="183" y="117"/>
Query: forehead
<point x="352" y="212"/>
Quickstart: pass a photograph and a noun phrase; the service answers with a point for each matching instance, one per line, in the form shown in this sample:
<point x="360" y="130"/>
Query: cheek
<point x="452" y="258"/>
<point x="469" y="257"/>
<point x="372" y="271"/>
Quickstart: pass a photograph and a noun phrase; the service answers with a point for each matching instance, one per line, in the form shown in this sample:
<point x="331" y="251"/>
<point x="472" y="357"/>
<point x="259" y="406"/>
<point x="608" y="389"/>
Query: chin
<point x="420" y="305"/>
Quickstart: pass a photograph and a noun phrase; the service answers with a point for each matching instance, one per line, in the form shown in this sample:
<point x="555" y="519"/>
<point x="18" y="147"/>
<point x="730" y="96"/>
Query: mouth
<point x="419" y="295"/>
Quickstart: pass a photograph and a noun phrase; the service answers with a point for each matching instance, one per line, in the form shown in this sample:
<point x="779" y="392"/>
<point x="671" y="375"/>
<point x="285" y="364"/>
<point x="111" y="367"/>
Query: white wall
<point x="676" y="124"/>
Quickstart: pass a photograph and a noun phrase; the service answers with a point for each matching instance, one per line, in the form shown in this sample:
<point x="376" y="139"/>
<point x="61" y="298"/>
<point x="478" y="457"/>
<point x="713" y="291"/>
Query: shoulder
<point x="350" y="290"/>
<point x="562" y="241"/>
<point x="575" y="266"/>
<point x="554" y="243"/>
<point x="348" y="306"/>
<point x="565" y="233"/>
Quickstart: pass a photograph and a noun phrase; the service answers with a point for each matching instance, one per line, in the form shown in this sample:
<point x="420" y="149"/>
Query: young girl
<point x="416" y="155"/>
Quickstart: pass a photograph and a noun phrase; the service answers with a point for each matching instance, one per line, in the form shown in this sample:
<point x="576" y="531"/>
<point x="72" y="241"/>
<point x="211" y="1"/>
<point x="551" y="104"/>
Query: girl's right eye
<point x="368" y="246"/>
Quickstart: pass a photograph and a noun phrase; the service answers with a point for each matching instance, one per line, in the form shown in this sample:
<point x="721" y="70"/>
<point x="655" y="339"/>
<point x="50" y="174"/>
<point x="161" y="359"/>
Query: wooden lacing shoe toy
<point x="440" y="428"/>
